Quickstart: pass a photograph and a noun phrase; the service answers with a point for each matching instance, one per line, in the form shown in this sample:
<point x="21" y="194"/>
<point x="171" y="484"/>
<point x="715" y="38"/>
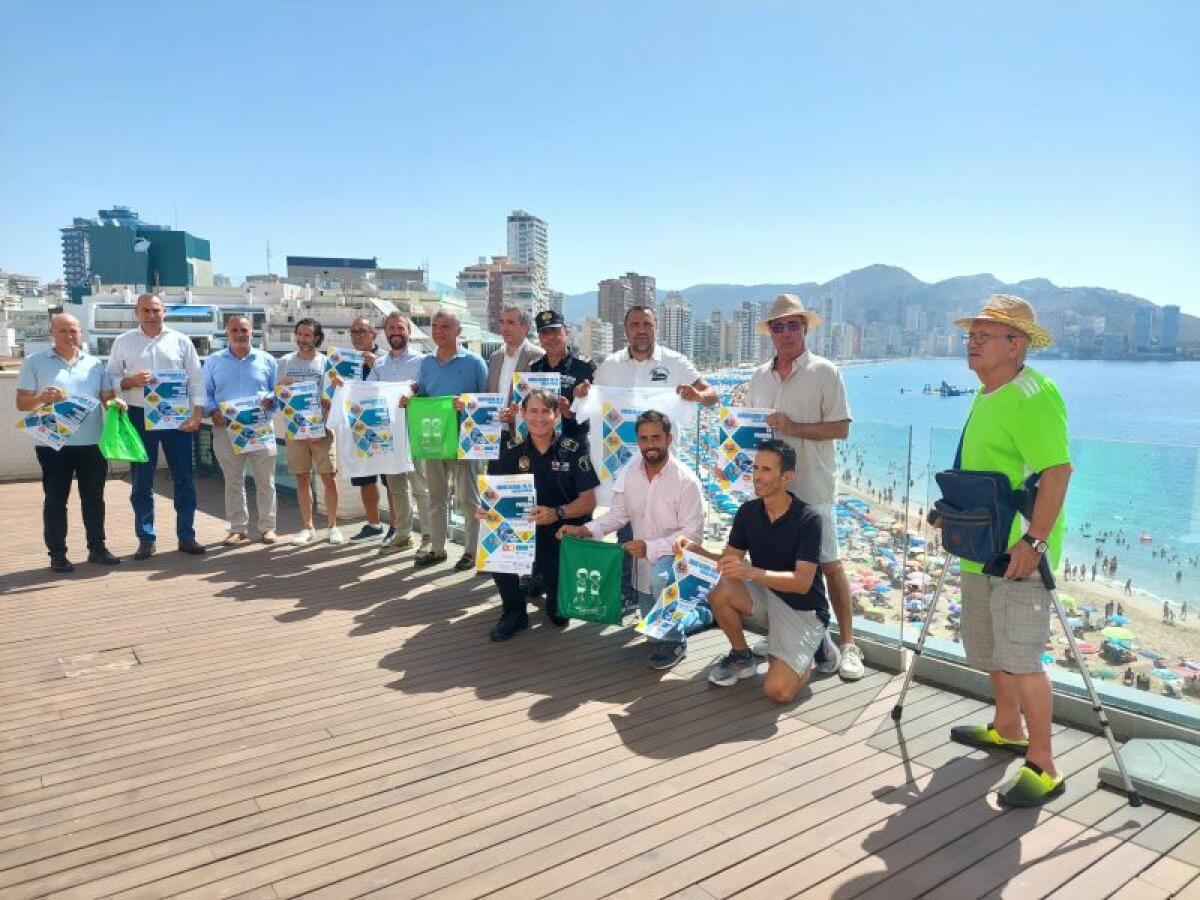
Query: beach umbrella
<point x="1088" y="608"/>
<point x="1069" y="603"/>
<point x="1106" y="673"/>
<point x="1119" y="634"/>
<point x="1074" y="623"/>
<point x="1164" y="675"/>
<point x="882" y="588"/>
<point x="1048" y="658"/>
<point x="1085" y="647"/>
<point x="1117" y="620"/>
<point x="955" y="608"/>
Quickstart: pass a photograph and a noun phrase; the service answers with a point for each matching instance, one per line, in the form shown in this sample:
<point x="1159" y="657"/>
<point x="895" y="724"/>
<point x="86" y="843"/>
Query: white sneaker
<point x="833" y="657"/>
<point x="336" y="536"/>
<point x="303" y="537"/>
<point x="851" y="668"/>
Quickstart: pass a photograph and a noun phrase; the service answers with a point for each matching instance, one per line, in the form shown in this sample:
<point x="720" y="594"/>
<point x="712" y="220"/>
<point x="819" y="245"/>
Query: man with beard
<point x="662" y="501"/>
<point x="304" y="455"/>
<point x="403" y="364"/>
<point x="646" y="363"/>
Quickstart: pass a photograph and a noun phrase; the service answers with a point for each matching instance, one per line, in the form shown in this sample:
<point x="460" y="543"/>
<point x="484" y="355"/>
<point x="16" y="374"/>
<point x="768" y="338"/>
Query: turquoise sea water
<point x="1135" y="438"/>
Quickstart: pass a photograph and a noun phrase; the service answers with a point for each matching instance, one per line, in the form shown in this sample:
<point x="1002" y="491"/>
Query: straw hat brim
<point x="1039" y="337"/>
<point x="813" y="320"/>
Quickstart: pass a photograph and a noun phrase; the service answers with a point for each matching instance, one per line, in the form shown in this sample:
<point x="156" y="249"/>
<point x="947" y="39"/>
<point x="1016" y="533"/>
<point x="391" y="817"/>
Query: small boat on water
<point x="945" y="389"/>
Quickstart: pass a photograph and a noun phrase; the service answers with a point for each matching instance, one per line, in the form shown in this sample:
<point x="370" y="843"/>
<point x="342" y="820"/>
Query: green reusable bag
<point x="589" y="580"/>
<point x="432" y="428"/>
<point x="119" y="440"/>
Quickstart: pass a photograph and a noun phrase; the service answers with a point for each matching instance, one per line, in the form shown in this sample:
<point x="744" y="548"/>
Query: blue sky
<point x="695" y="141"/>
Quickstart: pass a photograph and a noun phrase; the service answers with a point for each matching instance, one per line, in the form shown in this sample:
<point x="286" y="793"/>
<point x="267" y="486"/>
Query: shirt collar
<point x="656" y="356"/>
<point x="798" y="363"/>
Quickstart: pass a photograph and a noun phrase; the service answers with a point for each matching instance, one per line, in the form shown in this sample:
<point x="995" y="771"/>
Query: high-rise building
<point x="1143" y="325"/>
<point x="1168" y="331"/>
<point x="675" y="326"/>
<point x="151" y="258"/>
<point x="78" y="270"/>
<point x="752" y="347"/>
<point x="529" y="245"/>
<point x="557" y="299"/>
<point x="616" y="296"/>
<point x="595" y="339"/>
<point x="488" y="287"/>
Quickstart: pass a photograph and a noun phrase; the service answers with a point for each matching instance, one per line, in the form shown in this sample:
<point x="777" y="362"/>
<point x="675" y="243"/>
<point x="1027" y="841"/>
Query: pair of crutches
<point x="1135" y="798"/>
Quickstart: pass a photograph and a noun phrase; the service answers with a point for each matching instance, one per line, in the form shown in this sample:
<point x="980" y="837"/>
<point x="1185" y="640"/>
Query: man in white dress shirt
<point x="661" y="499"/>
<point x="132" y="363"/>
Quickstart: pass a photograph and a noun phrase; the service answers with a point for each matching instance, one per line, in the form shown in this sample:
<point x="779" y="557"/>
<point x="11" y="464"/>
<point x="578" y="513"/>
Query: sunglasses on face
<point x="781" y="327"/>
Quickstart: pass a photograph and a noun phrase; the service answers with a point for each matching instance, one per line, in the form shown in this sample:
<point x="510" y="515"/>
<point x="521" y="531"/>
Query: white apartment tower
<point x="529" y="245"/>
<point x="675" y="329"/>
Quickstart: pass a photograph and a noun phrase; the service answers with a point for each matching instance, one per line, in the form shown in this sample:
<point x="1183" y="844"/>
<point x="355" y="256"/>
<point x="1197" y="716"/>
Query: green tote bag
<point x="432" y="428"/>
<point x="589" y="581"/>
<point x="119" y="440"/>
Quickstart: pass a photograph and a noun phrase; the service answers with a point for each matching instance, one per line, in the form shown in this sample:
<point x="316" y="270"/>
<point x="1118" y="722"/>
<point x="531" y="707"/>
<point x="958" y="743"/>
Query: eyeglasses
<point x="982" y="337"/>
<point x="781" y="327"/>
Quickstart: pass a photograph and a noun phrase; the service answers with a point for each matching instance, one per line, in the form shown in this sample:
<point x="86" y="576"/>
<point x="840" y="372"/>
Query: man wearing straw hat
<point x="1017" y="425"/>
<point x="811" y="412"/>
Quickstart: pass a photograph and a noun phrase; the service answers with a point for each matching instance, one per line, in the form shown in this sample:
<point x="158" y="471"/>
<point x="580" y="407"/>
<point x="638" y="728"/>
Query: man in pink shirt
<point x="661" y="499"/>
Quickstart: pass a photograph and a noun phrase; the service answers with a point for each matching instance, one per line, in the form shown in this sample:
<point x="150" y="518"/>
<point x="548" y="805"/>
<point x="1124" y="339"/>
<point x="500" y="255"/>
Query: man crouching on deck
<point x="780" y="591"/>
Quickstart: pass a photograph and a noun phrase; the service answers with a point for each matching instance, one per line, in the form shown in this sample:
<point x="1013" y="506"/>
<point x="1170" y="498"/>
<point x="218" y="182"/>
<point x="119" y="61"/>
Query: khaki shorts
<point x="304" y="456"/>
<point x="793" y="635"/>
<point x="829" y="552"/>
<point x="1005" y="624"/>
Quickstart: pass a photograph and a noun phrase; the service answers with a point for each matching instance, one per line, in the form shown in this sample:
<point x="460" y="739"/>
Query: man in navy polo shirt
<point x="779" y="590"/>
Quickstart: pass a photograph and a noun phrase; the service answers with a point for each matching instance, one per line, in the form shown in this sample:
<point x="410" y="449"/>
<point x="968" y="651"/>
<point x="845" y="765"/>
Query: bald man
<point x="56" y="374"/>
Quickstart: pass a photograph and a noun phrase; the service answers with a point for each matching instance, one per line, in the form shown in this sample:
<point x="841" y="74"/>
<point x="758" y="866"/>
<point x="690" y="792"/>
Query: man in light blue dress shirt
<point x="449" y="372"/>
<point x="235" y="373"/>
<point x="51" y="376"/>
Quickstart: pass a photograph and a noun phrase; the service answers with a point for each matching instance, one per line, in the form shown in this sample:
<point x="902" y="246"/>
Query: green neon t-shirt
<point x="1018" y="429"/>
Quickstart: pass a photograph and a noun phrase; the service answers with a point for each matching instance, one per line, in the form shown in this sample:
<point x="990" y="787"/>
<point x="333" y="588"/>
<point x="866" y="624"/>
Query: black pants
<point x="58" y="469"/>
<point x="545" y="566"/>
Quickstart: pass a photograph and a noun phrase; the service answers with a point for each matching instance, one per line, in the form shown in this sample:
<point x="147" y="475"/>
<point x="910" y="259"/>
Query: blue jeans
<point x="700" y="617"/>
<point x="177" y="447"/>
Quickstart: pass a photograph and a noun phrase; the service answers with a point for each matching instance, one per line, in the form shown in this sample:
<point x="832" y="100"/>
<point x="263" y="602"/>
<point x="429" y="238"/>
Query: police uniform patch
<point x="569" y="444"/>
<point x="585" y="464"/>
<point x="523" y="463"/>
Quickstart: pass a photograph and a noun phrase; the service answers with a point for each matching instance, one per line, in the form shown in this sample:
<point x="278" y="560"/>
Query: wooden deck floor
<point x="319" y="722"/>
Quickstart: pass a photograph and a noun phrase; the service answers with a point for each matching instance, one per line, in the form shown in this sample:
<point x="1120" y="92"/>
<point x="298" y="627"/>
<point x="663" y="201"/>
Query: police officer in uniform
<point x="552" y="335"/>
<point x="566" y="494"/>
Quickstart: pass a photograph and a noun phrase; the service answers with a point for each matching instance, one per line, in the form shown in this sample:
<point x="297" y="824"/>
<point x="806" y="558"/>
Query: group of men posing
<point x="780" y="569"/>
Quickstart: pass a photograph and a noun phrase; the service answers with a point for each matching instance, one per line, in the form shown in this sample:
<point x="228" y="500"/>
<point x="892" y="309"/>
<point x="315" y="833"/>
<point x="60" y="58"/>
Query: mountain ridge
<point x="881" y="293"/>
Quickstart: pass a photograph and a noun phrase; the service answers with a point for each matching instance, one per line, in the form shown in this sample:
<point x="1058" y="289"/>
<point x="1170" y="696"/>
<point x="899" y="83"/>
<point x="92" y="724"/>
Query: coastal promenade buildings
<point x="615" y="296"/>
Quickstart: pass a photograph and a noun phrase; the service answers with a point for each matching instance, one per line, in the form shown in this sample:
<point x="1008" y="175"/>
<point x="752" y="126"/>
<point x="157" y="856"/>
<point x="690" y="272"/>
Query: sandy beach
<point x="1160" y="649"/>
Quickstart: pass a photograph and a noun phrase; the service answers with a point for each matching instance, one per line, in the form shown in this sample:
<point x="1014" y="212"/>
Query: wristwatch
<point x="1037" y="544"/>
<point x="561" y="512"/>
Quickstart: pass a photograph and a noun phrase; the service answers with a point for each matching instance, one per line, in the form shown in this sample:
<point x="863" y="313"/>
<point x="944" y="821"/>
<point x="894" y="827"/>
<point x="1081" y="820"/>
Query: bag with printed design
<point x="589" y="581"/>
<point x="432" y="428"/>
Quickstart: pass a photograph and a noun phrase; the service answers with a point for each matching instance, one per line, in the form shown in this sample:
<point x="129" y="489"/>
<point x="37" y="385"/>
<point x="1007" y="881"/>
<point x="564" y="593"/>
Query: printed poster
<point x="523" y="383"/>
<point x="692" y="577"/>
<point x="52" y="424"/>
<point x="301" y="407"/>
<point x="479" y="431"/>
<point x="167" y="402"/>
<point x="741" y="430"/>
<point x="371" y="425"/>
<point x="349" y="365"/>
<point x="614" y="442"/>
<point x="248" y="424"/>
<point x="507" y="535"/>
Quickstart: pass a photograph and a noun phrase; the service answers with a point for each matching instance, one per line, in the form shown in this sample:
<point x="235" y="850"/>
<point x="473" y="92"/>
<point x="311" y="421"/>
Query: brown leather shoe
<point x="192" y="547"/>
<point x="269" y="537"/>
